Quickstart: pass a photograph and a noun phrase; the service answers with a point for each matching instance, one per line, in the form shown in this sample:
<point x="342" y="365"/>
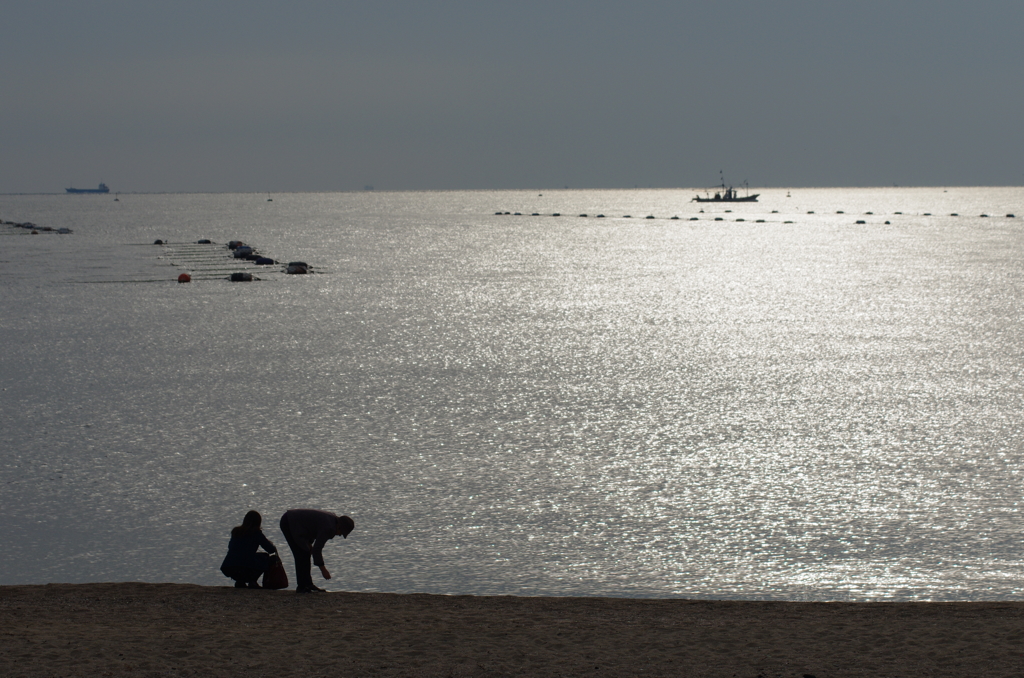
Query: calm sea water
<point x="807" y="408"/>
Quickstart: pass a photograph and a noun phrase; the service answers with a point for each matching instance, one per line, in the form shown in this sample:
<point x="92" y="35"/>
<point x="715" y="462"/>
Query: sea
<point x="815" y="396"/>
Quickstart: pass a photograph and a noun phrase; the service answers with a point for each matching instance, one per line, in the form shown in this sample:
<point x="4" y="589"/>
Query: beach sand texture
<point x="139" y="629"/>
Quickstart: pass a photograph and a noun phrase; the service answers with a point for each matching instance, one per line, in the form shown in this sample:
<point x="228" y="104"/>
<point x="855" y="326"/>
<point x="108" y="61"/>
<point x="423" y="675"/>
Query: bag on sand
<point x="276" y="577"/>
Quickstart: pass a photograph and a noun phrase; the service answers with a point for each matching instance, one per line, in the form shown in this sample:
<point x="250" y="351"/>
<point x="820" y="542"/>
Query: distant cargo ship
<point x="102" y="188"/>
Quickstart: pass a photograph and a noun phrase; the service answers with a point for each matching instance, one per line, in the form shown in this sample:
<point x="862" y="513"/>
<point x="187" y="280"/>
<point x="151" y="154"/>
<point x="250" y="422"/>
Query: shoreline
<point x="141" y="629"/>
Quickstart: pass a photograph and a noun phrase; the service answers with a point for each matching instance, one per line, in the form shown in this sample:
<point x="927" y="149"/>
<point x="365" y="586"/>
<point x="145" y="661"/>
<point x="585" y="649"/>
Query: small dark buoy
<point x="204" y="241"/>
<point x="954" y="214"/>
<point x="741" y="219"/>
<point x="556" y="214"/>
<point x="675" y="217"/>
<point x="583" y="215"/>
<point x="839" y="212"/>
<point x="535" y="214"/>
<point x="649" y="216"/>
<point x="297" y="268"/>
<point x="184" y="278"/>
<point x="719" y="219"/>
<point x="694" y="219"/>
<point x="984" y="215"/>
<point x="861" y="221"/>
<point x="264" y="261"/>
<point x="158" y="241"/>
<point x="1010" y="216"/>
<point x="759" y="221"/>
<point x="240" y="276"/>
<point x="627" y="216"/>
<point x="600" y="216"/>
<point x="887" y="223"/>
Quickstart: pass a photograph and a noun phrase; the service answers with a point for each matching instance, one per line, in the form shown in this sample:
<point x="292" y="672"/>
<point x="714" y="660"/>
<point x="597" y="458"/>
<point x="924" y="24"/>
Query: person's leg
<point x="264" y="560"/>
<point x="303" y="565"/>
<point x="236" y="573"/>
<point x="303" y="560"/>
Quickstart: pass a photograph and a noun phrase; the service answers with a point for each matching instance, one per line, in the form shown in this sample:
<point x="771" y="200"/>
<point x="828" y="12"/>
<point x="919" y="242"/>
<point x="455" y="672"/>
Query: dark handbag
<point x="275" y="577"/>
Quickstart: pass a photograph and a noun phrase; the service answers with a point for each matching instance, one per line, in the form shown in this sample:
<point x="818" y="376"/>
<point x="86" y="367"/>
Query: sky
<point x="257" y="96"/>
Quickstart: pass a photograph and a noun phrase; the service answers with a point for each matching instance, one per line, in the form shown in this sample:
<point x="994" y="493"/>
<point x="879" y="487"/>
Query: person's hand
<point x="324" y="572"/>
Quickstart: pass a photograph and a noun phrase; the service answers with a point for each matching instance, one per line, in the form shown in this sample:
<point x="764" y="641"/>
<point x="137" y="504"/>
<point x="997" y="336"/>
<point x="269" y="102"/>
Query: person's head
<point x="344" y="526"/>
<point x="250" y="523"/>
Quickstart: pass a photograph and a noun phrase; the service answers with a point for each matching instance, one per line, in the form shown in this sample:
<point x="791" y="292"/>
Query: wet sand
<point x="138" y="629"/>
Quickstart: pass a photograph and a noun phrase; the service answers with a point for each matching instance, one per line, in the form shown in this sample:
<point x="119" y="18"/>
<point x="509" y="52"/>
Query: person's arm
<point x="318" y="557"/>
<point x="323" y="535"/>
<point x="318" y="550"/>
<point x="267" y="545"/>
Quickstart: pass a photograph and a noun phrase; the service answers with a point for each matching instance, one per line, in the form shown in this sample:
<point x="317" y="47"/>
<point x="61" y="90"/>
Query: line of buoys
<point x="199" y="259"/>
<point x="35" y="230"/>
<point x="1010" y="215"/>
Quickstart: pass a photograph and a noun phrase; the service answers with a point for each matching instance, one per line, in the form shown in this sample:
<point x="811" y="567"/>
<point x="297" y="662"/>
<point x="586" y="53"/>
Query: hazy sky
<point x="323" y="96"/>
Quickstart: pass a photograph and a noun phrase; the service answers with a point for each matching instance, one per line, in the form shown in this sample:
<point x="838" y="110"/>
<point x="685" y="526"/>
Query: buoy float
<point x="184" y="278"/>
<point x="158" y="241"/>
<point x="241" y="277"/>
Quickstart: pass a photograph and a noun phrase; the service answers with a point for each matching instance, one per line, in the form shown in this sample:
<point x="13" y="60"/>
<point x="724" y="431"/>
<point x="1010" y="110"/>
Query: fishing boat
<point x="102" y="188"/>
<point x="727" y="195"/>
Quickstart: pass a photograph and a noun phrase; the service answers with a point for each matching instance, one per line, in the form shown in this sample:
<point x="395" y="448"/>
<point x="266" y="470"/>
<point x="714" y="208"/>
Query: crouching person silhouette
<point x="307" y="530"/>
<point x="244" y="563"/>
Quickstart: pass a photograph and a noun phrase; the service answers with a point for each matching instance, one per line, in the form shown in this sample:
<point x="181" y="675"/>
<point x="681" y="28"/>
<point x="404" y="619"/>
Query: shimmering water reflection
<point x="528" y="405"/>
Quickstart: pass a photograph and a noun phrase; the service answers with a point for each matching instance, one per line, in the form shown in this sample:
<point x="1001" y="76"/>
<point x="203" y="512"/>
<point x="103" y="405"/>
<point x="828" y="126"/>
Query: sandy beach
<point x="140" y="629"/>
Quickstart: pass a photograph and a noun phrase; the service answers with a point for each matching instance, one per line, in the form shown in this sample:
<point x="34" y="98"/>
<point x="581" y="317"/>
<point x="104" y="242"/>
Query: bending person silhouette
<point x="307" y="530"/>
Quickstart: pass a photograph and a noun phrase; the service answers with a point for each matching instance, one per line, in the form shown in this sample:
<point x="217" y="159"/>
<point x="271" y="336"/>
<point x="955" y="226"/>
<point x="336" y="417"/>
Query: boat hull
<point x="746" y="198"/>
<point x="101" y="189"/>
